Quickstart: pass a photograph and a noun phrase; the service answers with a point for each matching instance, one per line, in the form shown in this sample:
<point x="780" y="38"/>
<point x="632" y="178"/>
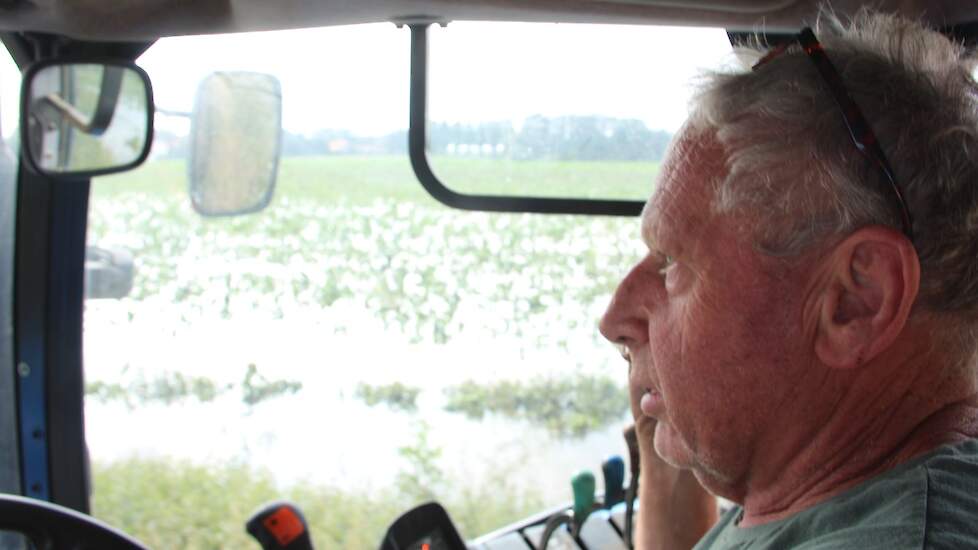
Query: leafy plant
<point x="175" y="387"/>
<point x="166" y="388"/>
<point x="397" y="396"/>
<point x="567" y="407"/>
<point x="256" y="388"/>
<point x="423" y="479"/>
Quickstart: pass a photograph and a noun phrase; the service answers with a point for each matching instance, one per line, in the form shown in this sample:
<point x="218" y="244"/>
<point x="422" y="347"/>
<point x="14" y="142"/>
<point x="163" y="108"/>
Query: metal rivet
<point x="36" y="488"/>
<point x="38" y="433"/>
<point x="23" y="369"/>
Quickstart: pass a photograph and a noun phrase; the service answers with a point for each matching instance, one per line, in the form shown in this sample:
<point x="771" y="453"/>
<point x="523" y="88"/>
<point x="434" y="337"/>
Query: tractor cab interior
<point x="298" y="272"/>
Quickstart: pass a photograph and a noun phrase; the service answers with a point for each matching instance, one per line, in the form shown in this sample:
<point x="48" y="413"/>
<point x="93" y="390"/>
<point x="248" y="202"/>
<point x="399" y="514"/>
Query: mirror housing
<point x="109" y="272"/>
<point x="235" y="143"/>
<point x="85" y="117"/>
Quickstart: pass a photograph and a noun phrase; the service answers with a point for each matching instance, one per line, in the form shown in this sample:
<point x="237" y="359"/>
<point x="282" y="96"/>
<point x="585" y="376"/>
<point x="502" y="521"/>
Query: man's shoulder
<point x="952" y="496"/>
<point x="930" y="502"/>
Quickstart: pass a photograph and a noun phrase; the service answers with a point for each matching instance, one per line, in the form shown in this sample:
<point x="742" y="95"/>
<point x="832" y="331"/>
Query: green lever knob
<point x="583" y="485"/>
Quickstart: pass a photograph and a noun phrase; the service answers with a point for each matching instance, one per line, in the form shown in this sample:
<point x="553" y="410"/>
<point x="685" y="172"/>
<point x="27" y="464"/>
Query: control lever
<point x="613" y="469"/>
<point x="583" y="486"/>
<point x="421" y="528"/>
<point x="279" y="525"/>
<point x="631" y="439"/>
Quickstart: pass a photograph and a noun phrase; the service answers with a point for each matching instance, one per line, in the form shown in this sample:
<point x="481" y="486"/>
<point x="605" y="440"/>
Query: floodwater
<point x="323" y="433"/>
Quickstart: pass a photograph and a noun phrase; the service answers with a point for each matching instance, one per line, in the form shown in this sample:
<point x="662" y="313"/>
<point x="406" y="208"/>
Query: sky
<point x="357" y="77"/>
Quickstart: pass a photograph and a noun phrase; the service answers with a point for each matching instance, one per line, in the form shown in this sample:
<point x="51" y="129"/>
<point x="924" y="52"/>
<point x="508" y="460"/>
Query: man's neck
<point x="863" y="434"/>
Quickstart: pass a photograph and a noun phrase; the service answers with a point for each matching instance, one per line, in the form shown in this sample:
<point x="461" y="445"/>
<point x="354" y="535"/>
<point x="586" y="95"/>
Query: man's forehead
<point x="681" y="203"/>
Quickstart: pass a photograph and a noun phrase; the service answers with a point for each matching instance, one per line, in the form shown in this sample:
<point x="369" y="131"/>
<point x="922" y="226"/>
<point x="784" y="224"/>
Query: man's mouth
<point x="651" y="403"/>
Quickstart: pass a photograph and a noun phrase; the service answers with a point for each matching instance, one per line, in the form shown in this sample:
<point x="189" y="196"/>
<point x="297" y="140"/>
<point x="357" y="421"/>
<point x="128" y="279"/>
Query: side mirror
<point x="108" y="272"/>
<point x="85" y="118"/>
<point x="235" y="143"/>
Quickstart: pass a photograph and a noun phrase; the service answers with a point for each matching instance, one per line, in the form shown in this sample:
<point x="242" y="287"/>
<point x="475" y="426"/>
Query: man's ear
<point x="869" y="284"/>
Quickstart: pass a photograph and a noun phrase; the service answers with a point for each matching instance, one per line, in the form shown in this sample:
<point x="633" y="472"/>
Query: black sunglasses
<point x="862" y="136"/>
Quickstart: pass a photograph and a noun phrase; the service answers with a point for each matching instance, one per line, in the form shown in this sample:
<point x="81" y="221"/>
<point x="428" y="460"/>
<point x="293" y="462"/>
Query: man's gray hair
<point x="793" y="165"/>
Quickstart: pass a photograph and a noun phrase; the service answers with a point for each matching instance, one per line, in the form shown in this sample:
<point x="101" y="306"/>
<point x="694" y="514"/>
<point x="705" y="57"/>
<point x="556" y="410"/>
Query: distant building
<point x="338" y="146"/>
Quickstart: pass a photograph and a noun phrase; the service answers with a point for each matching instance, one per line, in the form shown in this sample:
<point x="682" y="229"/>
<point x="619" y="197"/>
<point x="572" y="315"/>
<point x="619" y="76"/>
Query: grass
<point x="561" y="179"/>
<point x="167" y="503"/>
<point x="359" y="181"/>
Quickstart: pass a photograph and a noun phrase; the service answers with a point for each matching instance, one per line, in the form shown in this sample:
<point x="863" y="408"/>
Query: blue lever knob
<point x="613" y="469"/>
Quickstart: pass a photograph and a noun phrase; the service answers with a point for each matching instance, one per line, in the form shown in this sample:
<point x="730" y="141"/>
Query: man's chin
<point x="670" y="447"/>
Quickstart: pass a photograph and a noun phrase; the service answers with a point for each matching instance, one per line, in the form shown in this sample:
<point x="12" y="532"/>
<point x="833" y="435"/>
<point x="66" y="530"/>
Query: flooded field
<point x="249" y="340"/>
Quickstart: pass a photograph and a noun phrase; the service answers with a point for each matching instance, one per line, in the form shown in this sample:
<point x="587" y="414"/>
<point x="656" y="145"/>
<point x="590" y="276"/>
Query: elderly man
<point x="801" y="333"/>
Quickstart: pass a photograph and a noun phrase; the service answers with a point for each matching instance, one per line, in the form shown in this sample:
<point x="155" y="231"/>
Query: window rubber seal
<point x="417" y="150"/>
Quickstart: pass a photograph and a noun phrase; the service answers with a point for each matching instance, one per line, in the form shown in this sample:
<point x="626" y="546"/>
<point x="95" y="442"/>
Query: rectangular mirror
<point x="235" y="142"/>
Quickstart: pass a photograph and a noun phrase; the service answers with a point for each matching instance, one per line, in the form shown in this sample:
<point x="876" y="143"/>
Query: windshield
<point x="355" y="347"/>
<point x="9" y="88"/>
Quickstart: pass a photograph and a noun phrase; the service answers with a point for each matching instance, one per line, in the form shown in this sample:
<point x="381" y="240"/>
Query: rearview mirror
<point x="235" y="142"/>
<point x="85" y="118"/>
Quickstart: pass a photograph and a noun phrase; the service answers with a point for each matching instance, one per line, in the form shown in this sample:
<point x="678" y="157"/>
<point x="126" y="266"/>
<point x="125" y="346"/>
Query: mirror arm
<point x="52" y="107"/>
<point x="171" y="112"/>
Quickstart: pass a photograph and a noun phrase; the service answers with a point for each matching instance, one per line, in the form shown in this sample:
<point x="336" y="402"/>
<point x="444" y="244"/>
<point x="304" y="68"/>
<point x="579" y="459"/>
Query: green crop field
<point x="362" y="230"/>
<point x="361" y="180"/>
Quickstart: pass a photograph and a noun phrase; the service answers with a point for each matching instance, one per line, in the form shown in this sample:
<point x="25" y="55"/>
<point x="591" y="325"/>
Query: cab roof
<point x="142" y="20"/>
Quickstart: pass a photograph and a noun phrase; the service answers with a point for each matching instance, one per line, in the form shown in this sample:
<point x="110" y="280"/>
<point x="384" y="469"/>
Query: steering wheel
<point x="49" y="526"/>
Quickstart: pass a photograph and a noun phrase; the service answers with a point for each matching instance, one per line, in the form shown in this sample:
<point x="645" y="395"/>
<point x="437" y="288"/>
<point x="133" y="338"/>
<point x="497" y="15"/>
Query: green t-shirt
<point x="928" y="502"/>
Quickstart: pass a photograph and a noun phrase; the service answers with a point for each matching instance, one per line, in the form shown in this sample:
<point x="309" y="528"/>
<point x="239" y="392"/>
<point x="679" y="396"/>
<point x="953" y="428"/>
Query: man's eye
<point x="665" y="263"/>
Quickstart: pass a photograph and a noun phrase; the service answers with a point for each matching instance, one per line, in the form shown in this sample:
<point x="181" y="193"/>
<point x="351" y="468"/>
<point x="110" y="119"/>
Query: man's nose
<point x="625" y="321"/>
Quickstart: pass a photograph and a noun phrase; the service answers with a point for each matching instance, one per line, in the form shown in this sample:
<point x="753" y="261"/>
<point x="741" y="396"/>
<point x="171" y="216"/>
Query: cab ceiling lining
<point x="730" y="6"/>
<point x="135" y="20"/>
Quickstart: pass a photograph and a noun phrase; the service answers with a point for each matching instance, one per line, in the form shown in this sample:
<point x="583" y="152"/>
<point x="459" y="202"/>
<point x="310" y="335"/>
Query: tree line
<point x="561" y="138"/>
<point x="554" y="138"/>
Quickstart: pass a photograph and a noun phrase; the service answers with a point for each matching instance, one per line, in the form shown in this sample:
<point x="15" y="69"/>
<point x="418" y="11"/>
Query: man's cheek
<point x="670" y="339"/>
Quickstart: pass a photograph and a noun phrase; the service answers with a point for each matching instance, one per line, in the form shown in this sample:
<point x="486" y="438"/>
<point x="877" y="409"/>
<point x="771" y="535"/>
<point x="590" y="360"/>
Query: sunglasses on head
<point x="862" y="136"/>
